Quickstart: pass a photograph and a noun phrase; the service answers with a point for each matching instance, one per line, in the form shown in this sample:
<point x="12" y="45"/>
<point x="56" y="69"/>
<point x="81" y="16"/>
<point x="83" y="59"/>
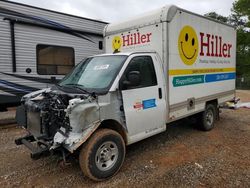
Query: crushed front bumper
<point x="41" y="150"/>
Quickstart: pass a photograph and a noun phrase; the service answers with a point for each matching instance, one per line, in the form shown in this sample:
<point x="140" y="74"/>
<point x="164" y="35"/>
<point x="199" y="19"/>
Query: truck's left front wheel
<point x="102" y="156"/>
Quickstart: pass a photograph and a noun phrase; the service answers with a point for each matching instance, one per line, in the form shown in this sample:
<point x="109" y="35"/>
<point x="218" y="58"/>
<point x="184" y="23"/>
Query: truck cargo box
<point x="198" y="55"/>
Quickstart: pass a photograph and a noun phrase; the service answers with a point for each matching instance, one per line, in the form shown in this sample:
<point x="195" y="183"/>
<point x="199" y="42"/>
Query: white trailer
<point x="39" y="46"/>
<point x="159" y="67"/>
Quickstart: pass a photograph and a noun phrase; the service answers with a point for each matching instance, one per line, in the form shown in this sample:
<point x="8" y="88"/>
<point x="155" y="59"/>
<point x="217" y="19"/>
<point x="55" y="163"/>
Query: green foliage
<point x="242" y="7"/>
<point x="216" y="16"/>
<point x="239" y="18"/>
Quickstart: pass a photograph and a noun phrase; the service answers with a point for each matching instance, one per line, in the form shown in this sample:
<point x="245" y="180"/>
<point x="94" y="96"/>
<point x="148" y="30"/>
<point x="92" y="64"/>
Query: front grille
<point x="34" y="123"/>
<point x="45" y="117"/>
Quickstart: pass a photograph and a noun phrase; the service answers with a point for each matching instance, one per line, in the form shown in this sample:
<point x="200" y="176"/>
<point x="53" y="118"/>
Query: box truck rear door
<point x="143" y="97"/>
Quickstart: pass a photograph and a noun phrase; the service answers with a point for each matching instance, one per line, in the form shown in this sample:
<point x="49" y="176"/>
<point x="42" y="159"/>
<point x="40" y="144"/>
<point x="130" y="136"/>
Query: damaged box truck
<point x="159" y="67"/>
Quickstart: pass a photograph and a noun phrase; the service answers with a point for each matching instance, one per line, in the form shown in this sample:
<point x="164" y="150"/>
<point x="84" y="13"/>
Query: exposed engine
<point x="47" y="117"/>
<point x="45" y="114"/>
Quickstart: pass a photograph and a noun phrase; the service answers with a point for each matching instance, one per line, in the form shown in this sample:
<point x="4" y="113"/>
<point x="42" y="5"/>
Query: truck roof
<point x="164" y="14"/>
<point x="125" y="53"/>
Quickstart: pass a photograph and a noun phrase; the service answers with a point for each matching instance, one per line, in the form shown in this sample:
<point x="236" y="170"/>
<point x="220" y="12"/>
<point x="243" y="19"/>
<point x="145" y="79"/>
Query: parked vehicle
<point x="160" y="67"/>
<point x="38" y="47"/>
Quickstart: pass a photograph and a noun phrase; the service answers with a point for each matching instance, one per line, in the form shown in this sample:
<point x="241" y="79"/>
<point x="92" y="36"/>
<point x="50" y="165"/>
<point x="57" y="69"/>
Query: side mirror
<point x="133" y="80"/>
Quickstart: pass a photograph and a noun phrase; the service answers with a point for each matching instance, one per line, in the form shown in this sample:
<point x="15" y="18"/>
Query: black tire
<point x="207" y="118"/>
<point x="103" y="155"/>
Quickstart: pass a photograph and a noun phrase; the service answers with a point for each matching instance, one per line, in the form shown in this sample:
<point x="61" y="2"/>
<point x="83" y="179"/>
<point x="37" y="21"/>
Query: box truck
<point x="159" y="67"/>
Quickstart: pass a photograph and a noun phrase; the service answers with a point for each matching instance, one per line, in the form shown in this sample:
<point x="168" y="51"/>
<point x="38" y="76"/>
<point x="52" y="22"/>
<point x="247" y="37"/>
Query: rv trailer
<point x="39" y="46"/>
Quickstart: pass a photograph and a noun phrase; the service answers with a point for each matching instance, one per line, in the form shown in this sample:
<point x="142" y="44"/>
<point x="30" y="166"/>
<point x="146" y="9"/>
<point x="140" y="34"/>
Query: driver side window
<point x="143" y="66"/>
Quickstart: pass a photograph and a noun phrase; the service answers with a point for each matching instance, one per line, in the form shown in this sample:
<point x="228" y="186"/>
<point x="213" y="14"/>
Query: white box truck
<point x="159" y="67"/>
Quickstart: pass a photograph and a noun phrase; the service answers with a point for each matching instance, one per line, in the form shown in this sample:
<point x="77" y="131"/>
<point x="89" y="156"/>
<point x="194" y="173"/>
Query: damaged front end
<point x="56" y="120"/>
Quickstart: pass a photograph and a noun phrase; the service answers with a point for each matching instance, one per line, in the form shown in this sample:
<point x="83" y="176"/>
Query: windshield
<point x="94" y="74"/>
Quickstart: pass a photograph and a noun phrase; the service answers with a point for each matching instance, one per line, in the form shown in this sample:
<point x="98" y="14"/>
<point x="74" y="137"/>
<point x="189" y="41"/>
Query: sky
<point x="115" y="10"/>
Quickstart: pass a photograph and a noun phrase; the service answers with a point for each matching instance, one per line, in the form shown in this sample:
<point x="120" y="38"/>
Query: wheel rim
<point x="106" y="156"/>
<point x="209" y="118"/>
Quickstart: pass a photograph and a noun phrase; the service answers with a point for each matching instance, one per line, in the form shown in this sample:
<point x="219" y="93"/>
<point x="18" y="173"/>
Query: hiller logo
<point x="212" y="44"/>
<point x="129" y="40"/>
<point x="136" y="38"/>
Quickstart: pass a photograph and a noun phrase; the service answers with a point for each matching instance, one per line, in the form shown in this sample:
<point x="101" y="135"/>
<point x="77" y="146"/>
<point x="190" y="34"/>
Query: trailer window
<point x="55" y="60"/>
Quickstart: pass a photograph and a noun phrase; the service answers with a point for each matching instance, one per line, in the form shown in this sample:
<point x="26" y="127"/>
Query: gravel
<point x="180" y="157"/>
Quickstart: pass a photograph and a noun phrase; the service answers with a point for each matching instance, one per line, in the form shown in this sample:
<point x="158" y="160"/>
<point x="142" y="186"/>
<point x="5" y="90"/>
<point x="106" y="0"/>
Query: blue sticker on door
<point x="149" y="103"/>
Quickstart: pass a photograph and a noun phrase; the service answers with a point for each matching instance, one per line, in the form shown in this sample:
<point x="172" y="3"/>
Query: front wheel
<point x="207" y="118"/>
<point x="103" y="155"/>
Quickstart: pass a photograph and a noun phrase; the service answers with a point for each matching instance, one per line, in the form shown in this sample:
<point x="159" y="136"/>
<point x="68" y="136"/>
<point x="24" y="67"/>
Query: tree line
<point x="239" y="18"/>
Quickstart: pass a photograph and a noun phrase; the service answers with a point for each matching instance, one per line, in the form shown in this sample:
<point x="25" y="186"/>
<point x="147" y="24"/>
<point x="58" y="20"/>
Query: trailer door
<point x="144" y="102"/>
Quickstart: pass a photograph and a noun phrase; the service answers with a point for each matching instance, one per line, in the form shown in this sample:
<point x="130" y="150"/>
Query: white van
<point x="159" y="67"/>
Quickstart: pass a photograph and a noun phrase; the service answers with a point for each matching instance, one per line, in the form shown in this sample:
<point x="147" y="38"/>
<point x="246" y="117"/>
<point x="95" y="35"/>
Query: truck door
<point x="143" y="93"/>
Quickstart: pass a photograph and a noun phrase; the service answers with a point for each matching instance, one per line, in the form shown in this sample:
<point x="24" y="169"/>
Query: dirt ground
<point x="180" y="157"/>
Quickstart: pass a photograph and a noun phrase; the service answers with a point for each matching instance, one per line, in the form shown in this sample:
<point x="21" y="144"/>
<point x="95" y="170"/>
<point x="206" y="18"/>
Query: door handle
<point x="160" y="93"/>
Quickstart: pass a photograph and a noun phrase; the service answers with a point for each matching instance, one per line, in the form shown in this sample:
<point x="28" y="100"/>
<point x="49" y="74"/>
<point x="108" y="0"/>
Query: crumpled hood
<point x="82" y="112"/>
<point x="84" y="118"/>
<point x="34" y="94"/>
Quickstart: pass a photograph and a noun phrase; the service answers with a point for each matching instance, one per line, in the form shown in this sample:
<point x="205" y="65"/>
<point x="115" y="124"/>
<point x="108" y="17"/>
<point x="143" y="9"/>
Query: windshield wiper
<point x="79" y="87"/>
<point x="58" y="85"/>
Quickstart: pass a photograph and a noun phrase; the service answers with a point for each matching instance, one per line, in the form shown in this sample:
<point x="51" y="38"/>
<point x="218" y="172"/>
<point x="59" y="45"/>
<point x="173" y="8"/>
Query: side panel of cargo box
<point x="201" y="64"/>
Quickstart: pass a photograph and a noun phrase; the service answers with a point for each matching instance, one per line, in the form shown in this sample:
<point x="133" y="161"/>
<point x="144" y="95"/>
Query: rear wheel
<point x="103" y="155"/>
<point x="207" y="118"/>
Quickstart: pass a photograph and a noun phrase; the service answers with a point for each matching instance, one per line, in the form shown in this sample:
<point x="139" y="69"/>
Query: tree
<point x="242" y="8"/>
<point x="240" y="19"/>
<point x="216" y="16"/>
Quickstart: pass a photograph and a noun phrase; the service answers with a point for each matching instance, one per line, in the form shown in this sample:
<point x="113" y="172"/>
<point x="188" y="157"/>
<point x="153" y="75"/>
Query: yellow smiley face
<point x="188" y="45"/>
<point x="116" y="43"/>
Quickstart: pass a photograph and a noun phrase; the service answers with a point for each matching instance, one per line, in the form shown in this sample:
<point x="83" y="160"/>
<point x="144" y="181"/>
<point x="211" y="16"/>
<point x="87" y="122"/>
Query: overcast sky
<point x="114" y="10"/>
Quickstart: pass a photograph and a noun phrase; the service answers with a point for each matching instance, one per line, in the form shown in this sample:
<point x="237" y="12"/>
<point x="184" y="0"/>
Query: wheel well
<point x="116" y="126"/>
<point x="214" y="102"/>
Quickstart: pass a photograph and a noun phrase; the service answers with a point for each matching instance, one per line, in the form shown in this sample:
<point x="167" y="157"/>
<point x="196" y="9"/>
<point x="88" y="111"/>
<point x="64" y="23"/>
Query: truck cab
<point x="124" y="92"/>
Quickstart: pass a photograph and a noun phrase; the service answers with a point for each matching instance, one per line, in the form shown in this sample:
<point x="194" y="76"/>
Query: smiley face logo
<point x="116" y="44"/>
<point x="188" y="45"/>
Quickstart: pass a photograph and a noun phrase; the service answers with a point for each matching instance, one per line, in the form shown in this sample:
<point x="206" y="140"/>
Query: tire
<point x="96" y="158"/>
<point x="207" y="118"/>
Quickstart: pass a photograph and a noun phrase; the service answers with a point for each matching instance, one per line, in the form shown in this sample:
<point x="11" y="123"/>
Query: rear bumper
<point x="41" y="150"/>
